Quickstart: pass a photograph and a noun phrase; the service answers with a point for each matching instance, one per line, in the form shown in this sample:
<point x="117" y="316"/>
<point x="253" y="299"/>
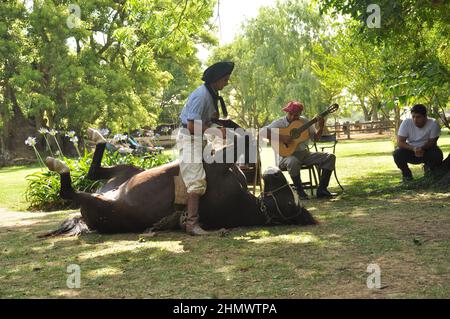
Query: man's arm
<point x="401" y="143"/>
<point x="434" y="136"/>
<point x="191" y="125"/>
<point x="418" y="151"/>
<point x="267" y="132"/>
<point x="432" y="142"/>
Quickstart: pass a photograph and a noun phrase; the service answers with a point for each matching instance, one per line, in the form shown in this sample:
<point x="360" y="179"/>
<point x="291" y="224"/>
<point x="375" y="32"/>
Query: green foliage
<point x="408" y="56"/>
<point x="112" y="70"/>
<point x="273" y="59"/>
<point x="43" y="187"/>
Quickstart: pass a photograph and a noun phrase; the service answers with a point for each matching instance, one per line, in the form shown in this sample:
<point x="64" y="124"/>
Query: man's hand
<point x="285" y="139"/>
<point x="419" y="152"/>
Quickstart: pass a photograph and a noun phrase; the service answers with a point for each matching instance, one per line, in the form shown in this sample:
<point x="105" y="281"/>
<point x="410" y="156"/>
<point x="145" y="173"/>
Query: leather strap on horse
<point x="264" y="206"/>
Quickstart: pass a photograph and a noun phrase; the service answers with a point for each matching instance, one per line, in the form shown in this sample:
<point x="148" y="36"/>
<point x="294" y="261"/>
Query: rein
<point x="263" y="206"/>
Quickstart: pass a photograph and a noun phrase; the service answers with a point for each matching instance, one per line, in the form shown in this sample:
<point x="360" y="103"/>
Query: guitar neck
<point x="311" y="123"/>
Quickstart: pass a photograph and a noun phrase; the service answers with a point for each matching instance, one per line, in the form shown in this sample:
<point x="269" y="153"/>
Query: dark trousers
<point x="432" y="158"/>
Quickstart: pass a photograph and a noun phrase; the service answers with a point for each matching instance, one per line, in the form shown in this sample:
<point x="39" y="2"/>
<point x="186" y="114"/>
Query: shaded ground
<point x="406" y="236"/>
<point x="405" y="232"/>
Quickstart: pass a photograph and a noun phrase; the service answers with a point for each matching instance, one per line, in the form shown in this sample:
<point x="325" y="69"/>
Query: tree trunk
<point x="397" y="118"/>
<point x="16" y="130"/>
<point x="364" y="109"/>
<point x="375" y="111"/>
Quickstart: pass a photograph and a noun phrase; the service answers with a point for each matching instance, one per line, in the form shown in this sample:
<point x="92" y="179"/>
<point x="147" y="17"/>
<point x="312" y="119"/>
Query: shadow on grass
<point x="270" y="262"/>
<point x="387" y="182"/>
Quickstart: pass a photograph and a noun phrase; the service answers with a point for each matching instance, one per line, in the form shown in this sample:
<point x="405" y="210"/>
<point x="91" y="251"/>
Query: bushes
<point x="43" y="187"/>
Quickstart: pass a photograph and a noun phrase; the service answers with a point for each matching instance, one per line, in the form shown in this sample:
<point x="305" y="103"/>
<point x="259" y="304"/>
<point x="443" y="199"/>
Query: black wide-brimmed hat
<point x="217" y="71"/>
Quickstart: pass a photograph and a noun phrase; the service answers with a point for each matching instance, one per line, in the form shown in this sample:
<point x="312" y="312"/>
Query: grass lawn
<point x="13" y="185"/>
<point x="405" y="232"/>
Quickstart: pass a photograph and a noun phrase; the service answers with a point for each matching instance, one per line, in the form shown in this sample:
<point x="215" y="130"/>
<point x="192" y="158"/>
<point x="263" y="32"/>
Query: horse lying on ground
<point x="134" y="200"/>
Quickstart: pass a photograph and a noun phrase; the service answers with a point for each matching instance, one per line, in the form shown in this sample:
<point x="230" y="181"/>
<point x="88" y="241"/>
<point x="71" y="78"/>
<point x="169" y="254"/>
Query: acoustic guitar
<point x="299" y="131"/>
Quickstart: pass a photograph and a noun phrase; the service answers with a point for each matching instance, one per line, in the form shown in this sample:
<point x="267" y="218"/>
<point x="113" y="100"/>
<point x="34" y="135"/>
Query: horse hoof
<point x="95" y="136"/>
<point x="56" y="165"/>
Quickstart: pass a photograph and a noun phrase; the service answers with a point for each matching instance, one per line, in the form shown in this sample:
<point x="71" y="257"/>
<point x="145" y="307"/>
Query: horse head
<point x="280" y="202"/>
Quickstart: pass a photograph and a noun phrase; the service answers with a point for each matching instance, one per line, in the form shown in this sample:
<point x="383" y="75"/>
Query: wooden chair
<point x="313" y="174"/>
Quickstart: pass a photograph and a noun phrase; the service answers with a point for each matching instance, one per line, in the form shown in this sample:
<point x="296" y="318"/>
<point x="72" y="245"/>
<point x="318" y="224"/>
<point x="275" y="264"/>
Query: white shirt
<point x="418" y="137"/>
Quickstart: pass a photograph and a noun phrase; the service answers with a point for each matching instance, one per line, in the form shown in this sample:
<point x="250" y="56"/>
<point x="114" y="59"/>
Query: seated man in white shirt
<point x="417" y="142"/>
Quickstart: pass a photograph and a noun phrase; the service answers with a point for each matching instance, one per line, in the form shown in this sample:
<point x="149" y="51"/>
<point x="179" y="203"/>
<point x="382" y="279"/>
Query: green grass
<point x="13" y="185"/>
<point x="405" y="232"/>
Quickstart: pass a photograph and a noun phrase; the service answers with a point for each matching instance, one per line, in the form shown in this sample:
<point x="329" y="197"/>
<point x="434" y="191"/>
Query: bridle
<point x="263" y="206"/>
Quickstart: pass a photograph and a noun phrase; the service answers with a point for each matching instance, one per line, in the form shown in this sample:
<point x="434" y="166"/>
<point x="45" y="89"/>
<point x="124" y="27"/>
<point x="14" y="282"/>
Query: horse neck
<point x="252" y="209"/>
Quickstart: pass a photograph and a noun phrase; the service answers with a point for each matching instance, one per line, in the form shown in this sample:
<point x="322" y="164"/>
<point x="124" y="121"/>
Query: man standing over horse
<point x="302" y="156"/>
<point x="197" y="116"/>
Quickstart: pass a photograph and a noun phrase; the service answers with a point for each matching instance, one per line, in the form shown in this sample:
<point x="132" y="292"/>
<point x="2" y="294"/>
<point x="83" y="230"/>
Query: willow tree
<point x="273" y="58"/>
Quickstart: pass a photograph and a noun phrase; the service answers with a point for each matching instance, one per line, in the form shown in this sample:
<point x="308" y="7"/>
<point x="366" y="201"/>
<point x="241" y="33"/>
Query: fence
<point x="349" y="129"/>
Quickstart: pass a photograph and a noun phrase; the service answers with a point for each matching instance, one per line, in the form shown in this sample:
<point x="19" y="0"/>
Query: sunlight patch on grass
<point x="66" y="293"/>
<point x="104" y="272"/>
<point x="303" y="238"/>
<point x="122" y="246"/>
<point x="19" y="219"/>
<point x="358" y="214"/>
<point x="259" y="233"/>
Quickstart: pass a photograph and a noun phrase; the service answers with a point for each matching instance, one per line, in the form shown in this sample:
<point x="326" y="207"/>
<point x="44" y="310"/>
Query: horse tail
<point x="69" y="228"/>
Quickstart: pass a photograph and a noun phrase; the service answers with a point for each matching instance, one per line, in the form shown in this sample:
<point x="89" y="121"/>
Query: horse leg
<point x="66" y="191"/>
<point x="96" y="171"/>
<point x="97" y="204"/>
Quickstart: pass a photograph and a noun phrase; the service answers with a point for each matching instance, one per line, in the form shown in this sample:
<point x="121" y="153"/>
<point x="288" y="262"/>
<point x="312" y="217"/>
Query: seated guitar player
<point x="302" y="155"/>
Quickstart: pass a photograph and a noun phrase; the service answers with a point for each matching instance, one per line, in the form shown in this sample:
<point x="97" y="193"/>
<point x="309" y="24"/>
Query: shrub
<point x="43" y="187"/>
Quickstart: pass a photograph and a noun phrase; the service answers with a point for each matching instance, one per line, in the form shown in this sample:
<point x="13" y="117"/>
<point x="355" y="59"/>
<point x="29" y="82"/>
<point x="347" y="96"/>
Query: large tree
<point x="111" y="67"/>
<point x="274" y="56"/>
<point x="413" y="43"/>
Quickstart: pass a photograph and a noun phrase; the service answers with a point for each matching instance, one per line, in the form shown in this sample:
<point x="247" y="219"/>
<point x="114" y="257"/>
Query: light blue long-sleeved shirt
<point x="199" y="106"/>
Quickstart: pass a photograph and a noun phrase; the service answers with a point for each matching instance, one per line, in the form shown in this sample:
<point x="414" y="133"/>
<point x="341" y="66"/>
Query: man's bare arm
<point x="401" y="142"/>
<point x="430" y="144"/>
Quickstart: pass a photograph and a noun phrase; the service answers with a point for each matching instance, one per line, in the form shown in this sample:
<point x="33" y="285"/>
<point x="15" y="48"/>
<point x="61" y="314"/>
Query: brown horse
<point x="133" y="199"/>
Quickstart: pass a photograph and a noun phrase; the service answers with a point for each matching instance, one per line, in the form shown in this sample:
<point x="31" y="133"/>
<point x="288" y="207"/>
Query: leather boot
<point x="322" y="190"/>
<point x="192" y="225"/>
<point x="298" y="186"/>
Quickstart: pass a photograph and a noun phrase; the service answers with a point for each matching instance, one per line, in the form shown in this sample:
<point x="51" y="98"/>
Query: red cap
<point x="293" y="106"/>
